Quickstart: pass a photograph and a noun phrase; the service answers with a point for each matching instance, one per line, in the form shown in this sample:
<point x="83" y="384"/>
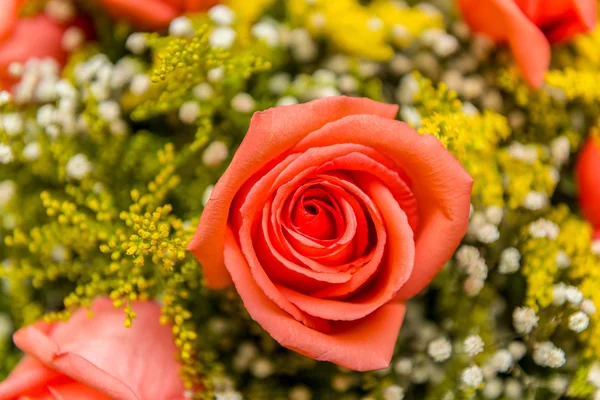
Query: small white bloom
<point x="118" y="127"/>
<point x="513" y="389"/>
<point x="473" y="345"/>
<point x="588" y="307"/>
<point x="473" y="286"/>
<point x="7" y="191"/>
<point x="526" y="153"/>
<point x="222" y="37"/>
<point x="562" y="260"/>
<point x="181" y="26"/>
<point x="558" y="384"/>
<point x="403" y="366"/>
<point x="374" y="24"/>
<point x="535" y="201"/>
<point x="6" y="154"/>
<point x="472" y="376"/>
<point x="546" y="354"/>
<point x="287" y="101"/>
<point x="188" y="112"/>
<point x="393" y="392"/>
<point x="300" y="393"/>
<point x="65" y="90"/>
<point x="60" y="10"/>
<point x="401" y="34"/>
<point x="400" y="64"/>
<point x="203" y="91"/>
<point x="136" y="43"/>
<point x="279" y="83"/>
<point x="46" y="115"/>
<point x="524" y="319"/>
<point x="560" y="150"/>
<point x="221" y="15"/>
<point x="261" y="368"/>
<point x="338" y="63"/>
<point x="322" y="92"/>
<point x="243" y="103"/>
<point x="440" y="349"/>
<point x="58" y="254"/>
<point x="6" y="326"/>
<point x="492" y="100"/>
<point x="12" y="123"/>
<point x="488" y="233"/>
<point x="594" y="375"/>
<point x="574" y="296"/>
<point x="78" y="167"/>
<point x="411" y="115"/>
<point x="469" y="109"/>
<point x="542" y="228"/>
<point x="215" y="153"/>
<point x="318" y="20"/>
<point x="473" y="87"/>
<point x="109" y="110"/>
<point x="445" y="45"/>
<point x="510" y="261"/>
<point x="407" y="89"/>
<point x="493" y="389"/>
<point x="72" y="38"/>
<point x="348" y="84"/>
<point x="139" y="84"/>
<point x="324" y="77"/>
<point x="517" y="350"/>
<point x="5" y="97"/>
<point x="501" y="360"/>
<point x="494" y="214"/>
<point x="579" y="321"/>
<point x="595" y="247"/>
<point x="215" y="74"/>
<point x="559" y="294"/>
<point x="266" y="31"/>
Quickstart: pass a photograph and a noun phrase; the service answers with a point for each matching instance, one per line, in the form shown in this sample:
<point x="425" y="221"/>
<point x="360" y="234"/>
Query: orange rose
<point x="22" y="39"/>
<point x="588" y="182"/>
<point x="153" y="14"/>
<point x="329" y="217"/>
<point x="97" y="358"/>
<point x="529" y="26"/>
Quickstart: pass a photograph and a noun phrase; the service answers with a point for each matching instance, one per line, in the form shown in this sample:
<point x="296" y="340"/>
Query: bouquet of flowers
<point x="299" y="199"/>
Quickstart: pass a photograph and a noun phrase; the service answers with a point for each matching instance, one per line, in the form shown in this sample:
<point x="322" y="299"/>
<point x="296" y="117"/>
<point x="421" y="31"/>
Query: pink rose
<point x="329" y="217"/>
<point x="97" y="358"/>
<point x="153" y="14"/>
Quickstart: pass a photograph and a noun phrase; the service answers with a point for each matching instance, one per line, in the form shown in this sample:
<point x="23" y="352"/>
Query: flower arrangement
<point x="299" y="199"/>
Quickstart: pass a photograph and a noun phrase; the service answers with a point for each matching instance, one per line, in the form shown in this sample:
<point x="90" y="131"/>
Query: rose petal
<point x="149" y="14"/>
<point x="29" y="377"/>
<point x="74" y="390"/>
<point x="581" y="17"/>
<point x="503" y="20"/>
<point x="102" y="354"/>
<point x="588" y="181"/>
<point x="21" y="45"/>
<point x="8" y="17"/>
<point x="271" y="133"/>
<point x="440" y="184"/>
<point x="362" y="345"/>
<point x="394" y="271"/>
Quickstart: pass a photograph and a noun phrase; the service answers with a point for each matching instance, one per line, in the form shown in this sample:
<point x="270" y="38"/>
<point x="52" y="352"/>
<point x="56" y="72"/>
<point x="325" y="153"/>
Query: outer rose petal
<point x="149" y="14"/>
<point x="22" y="45"/>
<point x="8" y="17"/>
<point x="360" y="345"/>
<point x="440" y="184"/>
<point x="588" y="181"/>
<point x="504" y="21"/>
<point x="29" y="376"/>
<point x="583" y="19"/>
<point x="102" y="354"/>
<point x="271" y="133"/>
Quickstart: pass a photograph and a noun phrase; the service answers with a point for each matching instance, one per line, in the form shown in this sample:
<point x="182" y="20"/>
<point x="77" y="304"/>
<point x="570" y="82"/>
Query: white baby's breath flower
<point x="473" y="345"/>
<point x="524" y="320"/>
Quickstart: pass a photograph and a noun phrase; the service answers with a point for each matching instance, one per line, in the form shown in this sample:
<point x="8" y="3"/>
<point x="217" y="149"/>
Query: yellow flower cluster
<point x="473" y="139"/>
<point x="364" y="31"/>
